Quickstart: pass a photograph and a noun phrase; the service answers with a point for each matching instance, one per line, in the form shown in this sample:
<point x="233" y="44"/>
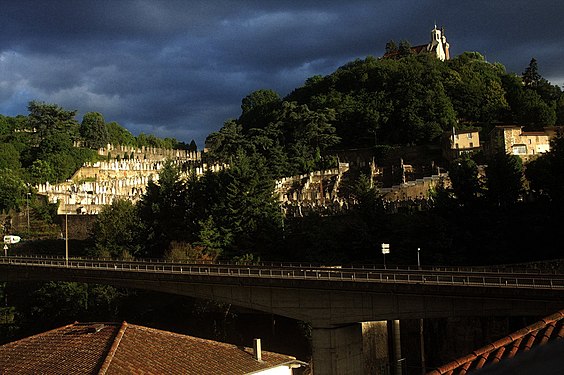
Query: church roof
<point x="113" y="348"/>
<point x="542" y="339"/>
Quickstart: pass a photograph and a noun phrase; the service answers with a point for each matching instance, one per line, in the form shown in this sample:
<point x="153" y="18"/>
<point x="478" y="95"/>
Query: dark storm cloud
<point x="181" y="68"/>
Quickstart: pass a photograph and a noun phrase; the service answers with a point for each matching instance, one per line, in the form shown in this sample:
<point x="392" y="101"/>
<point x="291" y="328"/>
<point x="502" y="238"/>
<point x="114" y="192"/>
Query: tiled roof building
<point x="513" y="140"/>
<point x="438" y="46"/>
<point x="112" y="348"/>
<point x="536" y="349"/>
<point x="459" y="142"/>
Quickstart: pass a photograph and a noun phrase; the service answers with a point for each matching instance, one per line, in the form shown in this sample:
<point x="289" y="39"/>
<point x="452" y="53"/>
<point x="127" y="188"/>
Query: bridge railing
<point x="427" y="277"/>
<point x="513" y="269"/>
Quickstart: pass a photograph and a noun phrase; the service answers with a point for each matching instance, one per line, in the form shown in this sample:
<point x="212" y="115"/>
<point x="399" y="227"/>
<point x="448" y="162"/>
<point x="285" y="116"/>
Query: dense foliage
<point x="233" y="215"/>
<point x="409" y="100"/>
<point x="228" y="214"/>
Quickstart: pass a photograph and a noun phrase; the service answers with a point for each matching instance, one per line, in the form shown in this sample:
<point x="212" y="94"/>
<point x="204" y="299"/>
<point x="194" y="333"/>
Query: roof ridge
<point x="203" y="340"/>
<point x="532" y="330"/>
<point x="17" y="342"/>
<point x="113" y="349"/>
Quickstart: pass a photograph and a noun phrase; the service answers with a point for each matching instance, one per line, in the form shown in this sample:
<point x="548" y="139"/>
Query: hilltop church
<point x="438" y="46"/>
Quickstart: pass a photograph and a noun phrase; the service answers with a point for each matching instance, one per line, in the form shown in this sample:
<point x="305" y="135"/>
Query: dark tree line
<point x="228" y="214"/>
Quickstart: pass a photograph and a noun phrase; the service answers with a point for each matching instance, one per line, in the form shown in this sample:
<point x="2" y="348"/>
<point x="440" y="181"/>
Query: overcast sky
<point x="180" y="68"/>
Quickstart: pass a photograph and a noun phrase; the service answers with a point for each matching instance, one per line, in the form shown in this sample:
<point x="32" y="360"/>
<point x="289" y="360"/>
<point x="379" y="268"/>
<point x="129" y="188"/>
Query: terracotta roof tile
<point x="540" y="333"/>
<point x="129" y="349"/>
<point x="166" y="352"/>
<point x="75" y="348"/>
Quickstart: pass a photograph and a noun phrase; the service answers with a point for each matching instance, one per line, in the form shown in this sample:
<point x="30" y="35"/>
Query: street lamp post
<point x="421" y="337"/>
<point x="27" y="209"/>
<point x="66" y="232"/>
<point x="66" y="237"/>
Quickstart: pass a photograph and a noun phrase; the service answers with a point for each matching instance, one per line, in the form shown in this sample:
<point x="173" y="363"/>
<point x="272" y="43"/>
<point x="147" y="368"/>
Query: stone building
<point x="458" y="142"/>
<point x="515" y="141"/>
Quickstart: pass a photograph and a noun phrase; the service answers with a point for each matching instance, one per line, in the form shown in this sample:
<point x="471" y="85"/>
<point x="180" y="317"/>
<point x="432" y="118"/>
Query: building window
<point x="469" y="135"/>
<point x="530" y="141"/>
<point x="456" y="145"/>
<point x="471" y="144"/>
<point x="519" y="150"/>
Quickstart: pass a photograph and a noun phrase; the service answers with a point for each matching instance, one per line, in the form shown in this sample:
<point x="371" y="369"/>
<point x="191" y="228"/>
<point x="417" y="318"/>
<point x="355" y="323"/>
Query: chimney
<point x="95" y="328"/>
<point x="257" y="351"/>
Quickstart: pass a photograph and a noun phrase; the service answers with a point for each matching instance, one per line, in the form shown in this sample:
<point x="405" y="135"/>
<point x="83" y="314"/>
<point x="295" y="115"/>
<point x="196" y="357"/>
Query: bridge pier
<point x="337" y="350"/>
<point x="359" y="348"/>
<point x="376" y="350"/>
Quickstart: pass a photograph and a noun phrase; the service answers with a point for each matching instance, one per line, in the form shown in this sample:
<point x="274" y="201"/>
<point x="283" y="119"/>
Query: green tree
<point x="537" y="104"/>
<point x="58" y="302"/>
<point x="475" y="88"/>
<point x="9" y="157"/>
<point x="308" y="134"/>
<point x="224" y="143"/>
<point x="54" y="303"/>
<point x="257" y="108"/>
<point x="369" y="201"/>
<point x="116" y="231"/>
<point x="560" y="110"/>
<point x="118" y="135"/>
<point x="546" y="173"/>
<point x="531" y="76"/>
<point x="50" y="119"/>
<point x="422" y="110"/>
<point x="211" y="238"/>
<point x="391" y="46"/>
<point x="504" y="180"/>
<point x="94" y="131"/>
<point x="12" y="190"/>
<point x="534" y="111"/>
<point x="41" y="171"/>
<point x="463" y="173"/>
<point x="404" y="48"/>
<point x="163" y="212"/>
<point x="192" y="147"/>
<point x="251" y="214"/>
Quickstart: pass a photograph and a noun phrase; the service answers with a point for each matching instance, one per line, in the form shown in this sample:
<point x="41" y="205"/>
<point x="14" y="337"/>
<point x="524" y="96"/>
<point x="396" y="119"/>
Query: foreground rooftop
<point x="114" y="348"/>
<point x="535" y="349"/>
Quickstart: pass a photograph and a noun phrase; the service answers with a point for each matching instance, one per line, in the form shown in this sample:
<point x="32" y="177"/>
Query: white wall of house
<point x="280" y="370"/>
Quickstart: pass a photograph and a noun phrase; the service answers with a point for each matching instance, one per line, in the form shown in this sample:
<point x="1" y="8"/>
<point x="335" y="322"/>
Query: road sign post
<point x="385" y="250"/>
<point x="10" y="239"/>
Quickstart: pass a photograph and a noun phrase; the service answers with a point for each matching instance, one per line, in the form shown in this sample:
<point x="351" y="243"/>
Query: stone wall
<point x="418" y="189"/>
<point x="319" y="191"/>
<point x="148" y="153"/>
<point x="96" y="185"/>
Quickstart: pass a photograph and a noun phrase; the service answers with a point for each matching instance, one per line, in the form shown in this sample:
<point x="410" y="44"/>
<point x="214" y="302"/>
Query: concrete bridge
<point x="334" y="300"/>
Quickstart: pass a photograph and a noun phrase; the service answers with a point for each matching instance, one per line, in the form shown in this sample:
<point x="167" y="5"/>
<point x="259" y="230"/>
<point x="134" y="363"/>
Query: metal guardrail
<point x="554" y="282"/>
<point x="498" y="269"/>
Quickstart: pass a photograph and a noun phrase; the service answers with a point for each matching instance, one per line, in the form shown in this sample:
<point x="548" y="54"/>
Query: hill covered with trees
<point x="407" y="101"/>
<point x="370" y="103"/>
<point x="366" y="103"/>
<point x="232" y="214"/>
